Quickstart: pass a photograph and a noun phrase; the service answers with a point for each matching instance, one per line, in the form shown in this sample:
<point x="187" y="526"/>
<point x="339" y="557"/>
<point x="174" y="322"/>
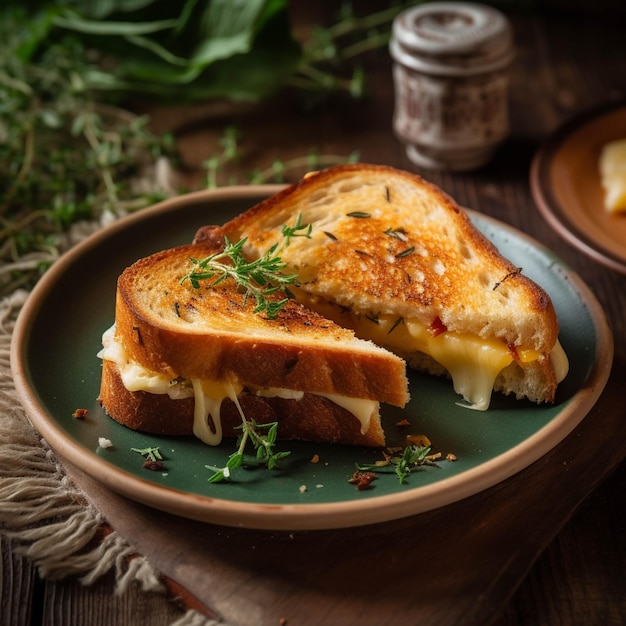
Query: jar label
<point x="441" y="112"/>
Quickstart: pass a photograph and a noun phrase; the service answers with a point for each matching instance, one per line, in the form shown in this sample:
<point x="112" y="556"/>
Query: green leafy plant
<point x="175" y="50"/>
<point x="263" y="443"/>
<point x="196" y="51"/>
<point x="71" y="159"/>
<point x="221" y="166"/>
<point x="64" y="156"/>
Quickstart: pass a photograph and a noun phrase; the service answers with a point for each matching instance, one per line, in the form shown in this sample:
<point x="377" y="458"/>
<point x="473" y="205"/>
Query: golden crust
<point x="312" y="418"/>
<point x="416" y="254"/>
<point x="168" y="326"/>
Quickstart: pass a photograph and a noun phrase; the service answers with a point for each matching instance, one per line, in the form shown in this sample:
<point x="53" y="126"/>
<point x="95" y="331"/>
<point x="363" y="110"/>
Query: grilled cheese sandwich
<point x="209" y="395"/>
<point x="182" y="359"/>
<point x="473" y="363"/>
<point x="395" y="259"/>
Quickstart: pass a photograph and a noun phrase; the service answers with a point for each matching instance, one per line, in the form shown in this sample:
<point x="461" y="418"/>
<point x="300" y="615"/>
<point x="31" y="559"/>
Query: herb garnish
<point x="396" y="233"/>
<point x="395" y="325"/>
<point x="412" y="457"/>
<point x="294" y="231"/>
<point x="406" y="252"/>
<point x="263" y="444"/>
<point x="153" y="456"/>
<point x="515" y="272"/>
<point x="360" y="214"/>
<point x="259" y="278"/>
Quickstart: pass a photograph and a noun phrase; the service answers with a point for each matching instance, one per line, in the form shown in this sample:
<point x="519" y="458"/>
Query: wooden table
<point x="567" y="562"/>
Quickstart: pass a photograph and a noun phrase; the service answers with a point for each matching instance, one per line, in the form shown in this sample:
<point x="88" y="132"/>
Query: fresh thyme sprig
<point x="223" y="167"/>
<point x="263" y="444"/>
<point x="412" y="457"/>
<point x="67" y="159"/>
<point x="260" y="278"/>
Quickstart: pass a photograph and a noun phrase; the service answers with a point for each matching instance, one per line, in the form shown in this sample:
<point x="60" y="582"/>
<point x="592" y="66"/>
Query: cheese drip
<point x="207" y="408"/>
<point x="472" y="362"/>
<point x="209" y="395"/>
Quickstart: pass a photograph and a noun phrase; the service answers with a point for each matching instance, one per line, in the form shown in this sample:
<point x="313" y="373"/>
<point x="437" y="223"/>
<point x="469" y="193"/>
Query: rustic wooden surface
<point x="545" y="547"/>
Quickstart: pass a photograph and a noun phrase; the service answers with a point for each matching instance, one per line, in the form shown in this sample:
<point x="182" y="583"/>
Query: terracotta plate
<point x="566" y="186"/>
<point x="56" y="371"/>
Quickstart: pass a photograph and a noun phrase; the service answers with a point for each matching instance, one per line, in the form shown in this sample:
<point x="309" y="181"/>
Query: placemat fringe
<point x="193" y="618"/>
<point x="43" y="512"/>
<point x="47" y="517"/>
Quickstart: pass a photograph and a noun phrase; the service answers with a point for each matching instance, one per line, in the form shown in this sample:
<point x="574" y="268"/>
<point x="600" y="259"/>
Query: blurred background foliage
<point x="73" y="150"/>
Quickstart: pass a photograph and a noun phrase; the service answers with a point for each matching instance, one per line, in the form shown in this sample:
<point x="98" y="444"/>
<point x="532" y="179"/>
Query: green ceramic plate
<point x="56" y="371"/>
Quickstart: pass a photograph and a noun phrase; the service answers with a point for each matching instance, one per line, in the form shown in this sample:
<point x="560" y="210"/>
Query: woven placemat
<point x="47" y="518"/>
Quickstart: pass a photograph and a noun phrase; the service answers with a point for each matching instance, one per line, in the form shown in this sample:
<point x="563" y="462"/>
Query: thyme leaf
<point x="515" y="272"/>
<point x="406" y="252"/>
<point x="396" y="233"/>
<point x="151" y="454"/>
<point x="412" y="457"/>
<point x="260" y="278"/>
<point x="263" y="443"/>
<point x="294" y="231"/>
<point x="395" y="325"/>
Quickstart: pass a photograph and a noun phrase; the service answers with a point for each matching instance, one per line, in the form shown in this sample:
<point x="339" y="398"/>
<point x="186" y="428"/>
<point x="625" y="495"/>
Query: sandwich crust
<point x="312" y="418"/>
<point x="168" y="326"/>
<point x="388" y="241"/>
<point x="385" y="242"/>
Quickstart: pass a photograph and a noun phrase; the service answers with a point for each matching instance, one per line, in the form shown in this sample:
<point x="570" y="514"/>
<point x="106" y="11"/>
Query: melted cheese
<point x="472" y="362"/>
<point x="135" y="377"/>
<point x="209" y="395"/>
<point x="361" y="408"/>
<point x="612" y="167"/>
<point x="208" y="398"/>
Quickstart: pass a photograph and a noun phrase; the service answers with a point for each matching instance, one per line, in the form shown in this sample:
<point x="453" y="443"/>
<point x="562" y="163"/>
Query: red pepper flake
<point x="418" y="440"/>
<point x="404" y="422"/>
<point x="315" y="458"/>
<point x="362" y="480"/>
<point x="513" y="350"/>
<point x="80" y="413"/>
<point x="437" y="327"/>
<point x="155" y="466"/>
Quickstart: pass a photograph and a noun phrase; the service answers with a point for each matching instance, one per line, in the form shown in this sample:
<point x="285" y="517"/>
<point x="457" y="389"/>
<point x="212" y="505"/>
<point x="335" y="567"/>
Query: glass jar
<point x="450" y="74"/>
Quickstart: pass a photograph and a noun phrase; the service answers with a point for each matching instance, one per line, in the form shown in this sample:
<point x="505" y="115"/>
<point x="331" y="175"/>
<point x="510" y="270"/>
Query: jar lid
<point x="452" y="38"/>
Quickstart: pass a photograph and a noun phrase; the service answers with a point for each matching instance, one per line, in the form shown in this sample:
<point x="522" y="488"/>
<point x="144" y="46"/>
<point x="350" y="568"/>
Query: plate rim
<point x="548" y="205"/>
<point x="299" y="516"/>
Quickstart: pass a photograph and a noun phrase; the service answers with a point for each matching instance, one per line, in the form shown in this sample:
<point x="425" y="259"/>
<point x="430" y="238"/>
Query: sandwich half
<point x="392" y="257"/>
<point x="196" y="356"/>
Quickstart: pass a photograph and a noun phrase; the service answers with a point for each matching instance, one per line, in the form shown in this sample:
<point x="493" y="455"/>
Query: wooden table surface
<point x="567" y="561"/>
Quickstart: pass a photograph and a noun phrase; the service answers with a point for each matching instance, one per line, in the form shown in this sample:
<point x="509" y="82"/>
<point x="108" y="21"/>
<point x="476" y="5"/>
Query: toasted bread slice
<point x="176" y="341"/>
<point x="312" y="417"/>
<point x="396" y="259"/>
